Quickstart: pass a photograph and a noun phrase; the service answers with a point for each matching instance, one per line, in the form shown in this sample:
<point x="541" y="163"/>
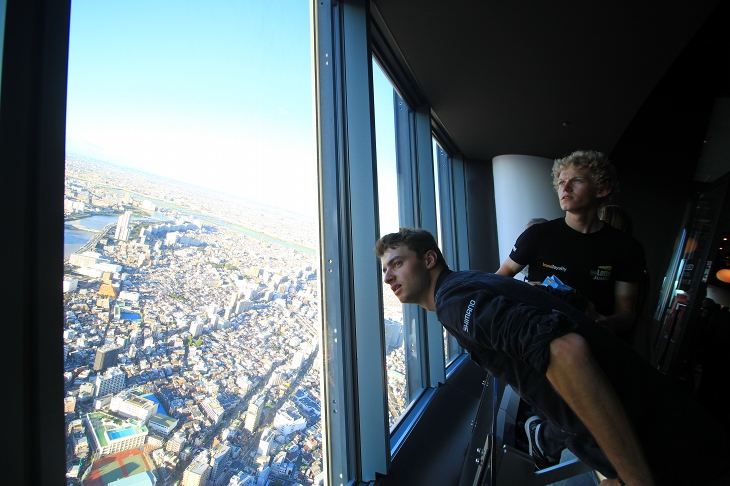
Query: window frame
<point x="32" y="133"/>
<point x="347" y="34"/>
<point x="454" y="241"/>
<point x="32" y="138"/>
<point x="417" y="207"/>
<point x="355" y="420"/>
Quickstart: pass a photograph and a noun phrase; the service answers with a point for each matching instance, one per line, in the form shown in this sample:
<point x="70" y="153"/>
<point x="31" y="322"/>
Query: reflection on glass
<point x="689" y="273"/>
<point x="190" y="292"/>
<point x="437" y="153"/>
<point x="388" y="210"/>
<point x="441" y="167"/>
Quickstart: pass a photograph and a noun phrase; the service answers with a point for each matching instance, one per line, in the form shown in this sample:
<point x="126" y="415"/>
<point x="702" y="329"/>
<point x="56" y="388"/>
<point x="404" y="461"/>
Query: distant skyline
<point x="218" y="94"/>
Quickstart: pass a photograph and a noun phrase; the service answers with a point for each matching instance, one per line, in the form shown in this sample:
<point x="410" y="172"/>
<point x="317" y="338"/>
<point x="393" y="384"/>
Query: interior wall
<point x="523" y="190"/>
<point x="657" y="156"/>
<point x="481" y="216"/>
<point x="713" y="162"/>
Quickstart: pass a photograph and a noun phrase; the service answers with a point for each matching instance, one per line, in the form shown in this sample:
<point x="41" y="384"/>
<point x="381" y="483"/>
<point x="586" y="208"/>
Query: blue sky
<point x="215" y="93"/>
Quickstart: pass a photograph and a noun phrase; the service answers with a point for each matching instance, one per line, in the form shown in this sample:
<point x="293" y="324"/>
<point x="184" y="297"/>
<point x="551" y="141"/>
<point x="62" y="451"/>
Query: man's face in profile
<point x="407" y="275"/>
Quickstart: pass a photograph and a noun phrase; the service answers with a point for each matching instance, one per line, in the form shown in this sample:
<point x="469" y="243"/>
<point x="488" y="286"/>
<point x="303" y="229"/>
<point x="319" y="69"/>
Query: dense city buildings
<point x="189" y="332"/>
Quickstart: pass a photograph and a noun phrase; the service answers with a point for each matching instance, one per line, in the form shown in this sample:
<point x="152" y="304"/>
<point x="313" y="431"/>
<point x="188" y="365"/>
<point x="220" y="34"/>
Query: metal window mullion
<point x="361" y="163"/>
<point x="425" y="182"/>
<point x="452" y="201"/>
<point x="447" y="211"/>
<point x="405" y="162"/>
<point x="355" y="411"/>
<point x="453" y="220"/>
<point x="432" y="333"/>
<point x="458" y="200"/>
<point x="417" y="203"/>
<point x="338" y="413"/>
<point x="409" y="215"/>
<point x="446" y="207"/>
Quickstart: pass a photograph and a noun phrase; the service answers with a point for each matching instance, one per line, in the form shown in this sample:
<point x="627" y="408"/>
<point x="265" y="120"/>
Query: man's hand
<point x="618" y="322"/>
<point x="591" y="311"/>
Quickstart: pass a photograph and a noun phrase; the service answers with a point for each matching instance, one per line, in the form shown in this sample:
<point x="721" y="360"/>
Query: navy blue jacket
<point x="507" y="326"/>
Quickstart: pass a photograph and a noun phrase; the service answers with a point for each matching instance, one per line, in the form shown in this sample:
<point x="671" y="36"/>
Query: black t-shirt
<point x="591" y="263"/>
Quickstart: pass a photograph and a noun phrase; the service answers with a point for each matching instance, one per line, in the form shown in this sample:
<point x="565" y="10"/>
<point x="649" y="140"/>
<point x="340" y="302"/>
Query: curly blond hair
<point x="602" y="171"/>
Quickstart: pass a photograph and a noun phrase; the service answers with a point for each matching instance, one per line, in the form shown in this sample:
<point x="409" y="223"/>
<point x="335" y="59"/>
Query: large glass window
<point x="376" y="174"/>
<point x="191" y="333"/>
<point x="395" y="344"/>
<point x="445" y="222"/>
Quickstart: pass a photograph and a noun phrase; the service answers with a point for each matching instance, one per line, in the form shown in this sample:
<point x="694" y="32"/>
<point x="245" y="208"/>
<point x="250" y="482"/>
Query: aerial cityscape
<point x="191" y="329"/>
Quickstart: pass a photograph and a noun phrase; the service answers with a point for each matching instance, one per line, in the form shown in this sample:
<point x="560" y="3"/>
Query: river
<point x="79" y="231"/>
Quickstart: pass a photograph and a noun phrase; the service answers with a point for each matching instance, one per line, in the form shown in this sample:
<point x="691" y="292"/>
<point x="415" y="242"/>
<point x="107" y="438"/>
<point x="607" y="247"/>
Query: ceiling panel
<point x="538" y="78"/>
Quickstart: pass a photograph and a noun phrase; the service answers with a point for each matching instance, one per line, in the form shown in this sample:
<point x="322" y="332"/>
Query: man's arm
<point x="509" y="268"/>
<point x="576" y="376"/>
<point x="624" y="309"/>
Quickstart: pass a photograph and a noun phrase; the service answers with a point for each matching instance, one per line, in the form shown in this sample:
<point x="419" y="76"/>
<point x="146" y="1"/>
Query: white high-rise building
<point x="196" y="328"/>
<point x="242" y="478"/>
<point x="393" y="335"/>
<point x="148" y="205"/>
<point x="70" y="284"/>
<point x="212" y="409"/>
<point x="69" y="404"/>
<point x="266" y="442"/>
<point x="243" y="306"/>
<point x="218" y="458"/>
<point x="253" y="415"/>
<point x="296" y="360"/>
<point x="288" y="419"/>
<point x="111" y="381"/>
<point x="86" y="259"/>
<point x="197" y="473"/>
<point x="275" y="379"/>
<point x="122" y="231"/>
<point x="176" y="442"/>
<point x="130" y="405"/>
<point x="243" y="383"/>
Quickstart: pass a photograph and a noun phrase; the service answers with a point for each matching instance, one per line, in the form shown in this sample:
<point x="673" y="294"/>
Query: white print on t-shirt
<point x="559" y="269"/>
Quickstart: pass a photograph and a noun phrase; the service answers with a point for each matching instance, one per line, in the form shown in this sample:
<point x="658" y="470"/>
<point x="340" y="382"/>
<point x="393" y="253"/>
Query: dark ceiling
<point x="539" y="78"/>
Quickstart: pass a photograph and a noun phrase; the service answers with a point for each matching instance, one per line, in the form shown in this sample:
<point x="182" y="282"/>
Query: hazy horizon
<point x="218" y="95"/>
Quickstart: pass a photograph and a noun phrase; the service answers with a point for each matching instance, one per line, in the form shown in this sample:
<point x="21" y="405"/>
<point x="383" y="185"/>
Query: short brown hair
<point x="602" y="171"/>
<point x="417" y="240"/>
